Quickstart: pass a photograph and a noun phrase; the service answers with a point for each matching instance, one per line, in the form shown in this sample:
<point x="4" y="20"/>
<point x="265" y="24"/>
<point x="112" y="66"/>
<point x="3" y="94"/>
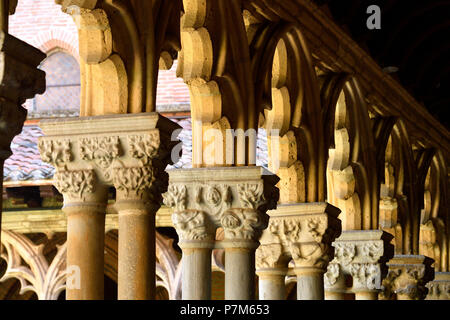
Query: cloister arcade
<point x="353" y="204"/>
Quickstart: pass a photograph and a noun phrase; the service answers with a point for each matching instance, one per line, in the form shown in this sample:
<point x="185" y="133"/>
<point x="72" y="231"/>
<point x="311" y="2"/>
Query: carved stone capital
<point x="76" y="184"/>
<point x="193" y="225"/>
<point x="304" y="231"/>
<point x="124" y="151"/>
<point x="20" y="79"/>
<point x="270" y="256"/>
<point x="439" y="288"/>
<point x="235" y="199"/>
<point x="407" y="277"/>
<point x="361" y="255"/>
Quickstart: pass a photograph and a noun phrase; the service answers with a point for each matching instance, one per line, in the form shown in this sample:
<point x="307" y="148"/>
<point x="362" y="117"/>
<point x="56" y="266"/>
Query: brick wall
<point x="42" y="24"/>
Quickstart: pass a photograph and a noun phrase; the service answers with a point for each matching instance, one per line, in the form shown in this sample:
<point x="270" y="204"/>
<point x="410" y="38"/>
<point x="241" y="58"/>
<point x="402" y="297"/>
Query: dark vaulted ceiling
<point x="413" y="44"/>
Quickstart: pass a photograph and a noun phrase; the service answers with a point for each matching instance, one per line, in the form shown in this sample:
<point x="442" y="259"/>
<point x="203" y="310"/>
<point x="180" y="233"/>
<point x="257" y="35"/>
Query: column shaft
<point x="310" y="285"/>
<point x="272" y="284"/>
<point x="85" y="251"/>
<point x="239" y="274"/>
<point x="196" y="282"/>
<point x="137" y="258"/>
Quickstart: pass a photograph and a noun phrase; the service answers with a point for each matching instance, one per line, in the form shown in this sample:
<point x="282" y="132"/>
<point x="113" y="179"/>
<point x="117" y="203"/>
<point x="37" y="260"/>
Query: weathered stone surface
<point x="407" y="277"/>
<point x="360" y="255"/>
<point x="303" y="232"/>
<point x="91" y="154"/>
<point x="439" y="288"/>
<point x="235" y="199"/>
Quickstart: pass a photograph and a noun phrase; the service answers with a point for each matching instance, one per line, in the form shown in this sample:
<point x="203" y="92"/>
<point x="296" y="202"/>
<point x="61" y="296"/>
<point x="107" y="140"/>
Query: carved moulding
<point x="127" y="151"/>
<point x="407" y="278"/>
<point x="35" y="274"/>
<point x="360" y="255"/>
<point x="439" y="288"/>
<point x="302" y="232"/>
<point x="234" y="199"/>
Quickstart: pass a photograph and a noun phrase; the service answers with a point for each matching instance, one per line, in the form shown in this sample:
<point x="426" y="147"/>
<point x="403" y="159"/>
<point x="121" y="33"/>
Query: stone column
<point x="439" y="288"/>
<point x="407" y="278"/>
<point x="85" y="203"/>
<point x="19" y="80"/>
<point x="360" y="255"/>
<point x="196" y="238"/>
<point x="272" y="284"/>
<point x="136" y="247"/>
<point x="239" y="269"/>
<point x="91" y="155"/>
<point x="234" y="199"/>
<point x="139" y="182"/>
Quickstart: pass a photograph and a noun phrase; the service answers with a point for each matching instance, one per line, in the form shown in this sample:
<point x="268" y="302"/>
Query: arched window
<point x="62" y="95"/>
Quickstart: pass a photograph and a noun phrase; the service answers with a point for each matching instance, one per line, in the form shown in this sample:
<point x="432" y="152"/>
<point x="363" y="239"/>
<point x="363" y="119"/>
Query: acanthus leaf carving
<point x="133" y="181"/>
<point x="438" y="290"/>
<point x="344" y="253"/>
<point x="315" y="229"/>
<point x="366" y="275"/>
<point x="372" y="251"/>
<point x="192" y="225"/>
<point x="251" y="195"/>
<point x="176" y="197"/>
<point x="332" y="275"/>
<point x="56" y="152"/>
<point x="77" y="183"/>
<point x="144" y="147"/>
<point x="286" y="230"/>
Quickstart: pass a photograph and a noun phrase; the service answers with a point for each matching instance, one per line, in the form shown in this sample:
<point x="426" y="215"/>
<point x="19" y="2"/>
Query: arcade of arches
<point x="353" y="203"/>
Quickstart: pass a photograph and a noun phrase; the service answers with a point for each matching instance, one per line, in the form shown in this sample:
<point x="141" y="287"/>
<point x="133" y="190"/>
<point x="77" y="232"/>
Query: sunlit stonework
<point x="350" y="201"/>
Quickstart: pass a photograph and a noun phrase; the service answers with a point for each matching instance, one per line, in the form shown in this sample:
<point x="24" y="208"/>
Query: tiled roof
<point x="26" y="164"/>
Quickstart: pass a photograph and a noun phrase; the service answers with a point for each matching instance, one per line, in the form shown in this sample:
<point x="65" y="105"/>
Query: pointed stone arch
<point x="287" y="89"/>
<point x="351" y="179"/>
<point x="434" y="217"/>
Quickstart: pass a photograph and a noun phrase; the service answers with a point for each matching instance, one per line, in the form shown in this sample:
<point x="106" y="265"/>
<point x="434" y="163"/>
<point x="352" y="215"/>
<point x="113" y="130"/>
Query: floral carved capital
<point x="133" y="181"/>
<point x="438" y="290"/>
<point x="408" y="280"/>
